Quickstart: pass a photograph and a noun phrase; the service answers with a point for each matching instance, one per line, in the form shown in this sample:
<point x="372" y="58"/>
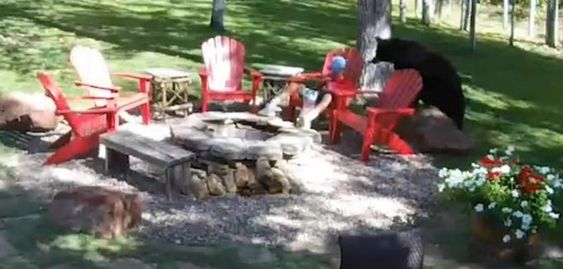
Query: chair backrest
<point x="392" y="250"/>
<point x="354" y="64"/>
<point x="401" y="89"/>
<point x="224" y="60"/>
<point x="91" y="67"/>
<point x="53" y="91"/>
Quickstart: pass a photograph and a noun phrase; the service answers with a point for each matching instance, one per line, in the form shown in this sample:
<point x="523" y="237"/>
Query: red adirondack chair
<point x="394" y="102"/>
<point x="221" y="78"/>
<point x="95" y="77"/>
<point x="86" y="125"/>
<point x="349" y="82"/>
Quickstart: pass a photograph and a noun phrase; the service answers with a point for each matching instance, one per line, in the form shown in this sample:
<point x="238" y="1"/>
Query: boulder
<point x="27" y="112"/>
<point x="431" y="131"/>
<point x="96" y="210"/>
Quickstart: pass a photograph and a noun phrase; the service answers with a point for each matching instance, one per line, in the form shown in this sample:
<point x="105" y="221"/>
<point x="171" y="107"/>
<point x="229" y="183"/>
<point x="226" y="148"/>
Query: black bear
<point x="441" y="82"/>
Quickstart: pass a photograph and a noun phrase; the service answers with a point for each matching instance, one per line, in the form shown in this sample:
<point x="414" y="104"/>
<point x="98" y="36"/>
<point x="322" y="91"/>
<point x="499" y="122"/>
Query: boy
<point x="309" y="89"/>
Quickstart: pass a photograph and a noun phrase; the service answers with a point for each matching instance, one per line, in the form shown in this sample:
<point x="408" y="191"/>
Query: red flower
<point x="529" y="181"/>
<point x="488" y="162"/>
<point x="493" y="175"/>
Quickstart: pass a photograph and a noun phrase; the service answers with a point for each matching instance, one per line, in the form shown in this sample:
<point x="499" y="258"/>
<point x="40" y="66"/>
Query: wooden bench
<point x="173" y="161"/>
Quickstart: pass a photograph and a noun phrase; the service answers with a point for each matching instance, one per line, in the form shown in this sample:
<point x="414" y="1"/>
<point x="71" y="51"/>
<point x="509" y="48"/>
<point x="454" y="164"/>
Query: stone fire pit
<point x="241" y="152"/>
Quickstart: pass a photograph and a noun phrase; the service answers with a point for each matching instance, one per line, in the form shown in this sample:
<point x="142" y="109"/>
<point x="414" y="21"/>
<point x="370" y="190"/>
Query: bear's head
<point x="383" y="52"/>
<point x="402" y="53"/>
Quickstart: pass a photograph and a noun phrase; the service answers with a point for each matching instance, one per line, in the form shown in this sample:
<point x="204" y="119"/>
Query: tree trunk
<point x="466" y="14"/>
<point x="217" y="13"/>
<point x="463" y="6"/>
<point x="375" y="21"/>
<point x="472" y="26"/>
<point x="552" y="24"/>
<point x="505" y="7"/>
<point x="417" y="7"/>
<point x="512" y="22"/>
<point x="403" y="11"/>
<point x="532" y="19"/>
<point x="438" y="9"/>
<point x="427" y="7"/>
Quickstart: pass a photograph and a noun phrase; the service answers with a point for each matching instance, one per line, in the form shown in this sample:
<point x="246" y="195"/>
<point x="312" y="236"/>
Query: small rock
<point x="96" y="210"/>
<point x="431" y="131"/>
<point x="241" y="175"/>
<point x="214" y="185"/>
<point x="253" y="184"/>
<point x="280" y="183"/>
<point x="217" y="168"/>
<point x="27" y="112"/>
<point x="229" y="182"/>
<point x="198" y="186"/>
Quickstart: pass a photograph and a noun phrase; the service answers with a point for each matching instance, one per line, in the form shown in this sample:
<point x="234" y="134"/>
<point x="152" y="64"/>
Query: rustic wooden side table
<point x="170" y="90"/>
<point x="275" y="78"/>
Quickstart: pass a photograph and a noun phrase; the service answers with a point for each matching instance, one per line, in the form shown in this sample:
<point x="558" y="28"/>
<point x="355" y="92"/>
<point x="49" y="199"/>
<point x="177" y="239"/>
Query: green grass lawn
<point x="514" y="96"/>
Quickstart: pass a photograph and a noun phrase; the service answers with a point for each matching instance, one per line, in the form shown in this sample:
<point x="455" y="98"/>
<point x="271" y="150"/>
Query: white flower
<point x="550" y="177"/>
<point x="492" y="151"/>
<point x="472" y="189"/>
<point x="519" y="233"/>
<point x="524" y="204"/>
<point x="443" y="172"/>
<point x="441" y="187"/>
<point x="518" y="214"/>
<point x="479" y="207"/>
<point x="492" y="205"/>
<point x="508" y="222"/>
<point x="543" y="169"/>
<point x="505" y="169"/>
<point x="525" y="227"/>
<point x="554" y="215"/>
<point x="515" y="193"/>
<point x="547" y="208"/>
<point x="509" y="150"/>
<point x="557" y="182"/>
<point x="506" y="210"/>
<point x="490" y="157"/>
<point x="506" y="238"/>
<point x="549" y="189"/>
<point x="527" y="219"/>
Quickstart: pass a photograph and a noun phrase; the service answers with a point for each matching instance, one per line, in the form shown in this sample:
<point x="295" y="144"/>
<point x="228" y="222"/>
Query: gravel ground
<point x="340" y="194"/>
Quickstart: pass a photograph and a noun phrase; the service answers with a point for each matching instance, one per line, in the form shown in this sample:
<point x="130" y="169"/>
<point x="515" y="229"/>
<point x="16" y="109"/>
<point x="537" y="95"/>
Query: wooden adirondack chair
<point x="86" y="125"/>
<point x="395" y="101"/>
<point x="95" y="77"/>
<point x="221" y="78"/>
<point x="348" y="83"/>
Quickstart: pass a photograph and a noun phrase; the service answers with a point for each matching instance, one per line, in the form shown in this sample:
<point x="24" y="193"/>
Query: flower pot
<point x="488" y="234"/>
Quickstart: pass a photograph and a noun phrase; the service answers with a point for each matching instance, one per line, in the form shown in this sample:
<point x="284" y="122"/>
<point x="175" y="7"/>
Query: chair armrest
<point x="113" y="89"/>
<point x="380" y="111"/>
<point x="133" y="76"/>
<point x="203" y="72"/>
<point x="341" y="93"/>
<point x="252" y="72"/>
<point x="308" y="76"/>
<point x="96" y="98"/>
<point x="98" y="111"/>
